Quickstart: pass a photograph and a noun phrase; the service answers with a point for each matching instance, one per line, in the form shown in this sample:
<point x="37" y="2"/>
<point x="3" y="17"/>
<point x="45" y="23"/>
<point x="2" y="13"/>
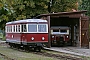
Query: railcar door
<point x="23" y="34"/>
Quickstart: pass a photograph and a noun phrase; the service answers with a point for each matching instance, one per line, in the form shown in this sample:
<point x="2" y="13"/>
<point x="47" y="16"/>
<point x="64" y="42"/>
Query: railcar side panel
<point x="13" y="38"/>
<point x="34" y="37"/>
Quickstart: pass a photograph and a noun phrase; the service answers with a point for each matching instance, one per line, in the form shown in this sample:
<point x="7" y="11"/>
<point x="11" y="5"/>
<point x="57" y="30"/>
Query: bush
<point x="4" y="38"/>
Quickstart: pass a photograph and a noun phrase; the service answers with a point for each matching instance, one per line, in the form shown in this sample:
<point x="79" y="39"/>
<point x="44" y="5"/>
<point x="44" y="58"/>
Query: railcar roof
<point x="27" y="20"/>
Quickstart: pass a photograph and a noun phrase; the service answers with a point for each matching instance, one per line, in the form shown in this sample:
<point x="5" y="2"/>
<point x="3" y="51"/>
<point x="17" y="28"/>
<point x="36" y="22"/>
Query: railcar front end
<point x="36" y="35"/>
<point x="59" y="36"/>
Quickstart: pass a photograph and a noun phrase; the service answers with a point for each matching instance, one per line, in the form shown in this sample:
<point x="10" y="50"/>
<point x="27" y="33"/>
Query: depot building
<point x="76" y="20"/>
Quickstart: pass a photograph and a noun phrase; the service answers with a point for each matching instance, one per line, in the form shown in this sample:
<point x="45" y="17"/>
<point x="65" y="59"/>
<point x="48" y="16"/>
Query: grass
<point x="2" y="37"/>
<point x="86" y="58"/>
<point x="2" y="58"/>
<point x="18" y="55"/>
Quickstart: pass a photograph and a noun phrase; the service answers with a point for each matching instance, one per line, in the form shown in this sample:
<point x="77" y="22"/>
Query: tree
<point x="64" y="5"/>
<point x="29" y="8"/>
<point x="23" y="9"/>
<point x="4" y="13"/>
<point x="85" y="5"/>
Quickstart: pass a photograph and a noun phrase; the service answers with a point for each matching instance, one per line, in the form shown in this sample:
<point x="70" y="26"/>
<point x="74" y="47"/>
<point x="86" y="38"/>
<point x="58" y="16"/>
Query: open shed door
<point x="85" y="32"/>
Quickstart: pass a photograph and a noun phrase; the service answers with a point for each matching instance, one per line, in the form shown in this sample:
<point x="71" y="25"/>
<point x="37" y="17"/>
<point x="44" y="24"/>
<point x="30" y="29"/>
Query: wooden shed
<point x="74" y="19"/>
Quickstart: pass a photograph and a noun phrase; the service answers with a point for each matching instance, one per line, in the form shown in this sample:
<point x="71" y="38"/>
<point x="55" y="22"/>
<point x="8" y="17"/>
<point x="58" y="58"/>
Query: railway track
<point x="58" y="56"/>
<point x="3" y="56"/>
<point x="45" y="53"/>
<point x="49" y="53"/>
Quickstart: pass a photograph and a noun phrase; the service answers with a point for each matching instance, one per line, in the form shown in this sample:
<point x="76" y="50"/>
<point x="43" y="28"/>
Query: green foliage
<point x="4" y="38"/>
<point x="4" y="13"/>
<point x="64" y="5"/>
<point x="85" y="6"/>
<point x="28" y="8"/>
<point x="1" y="35"/>
<point x="11" y="10"/>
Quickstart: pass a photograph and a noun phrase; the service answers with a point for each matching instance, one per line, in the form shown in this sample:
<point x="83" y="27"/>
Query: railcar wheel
<point x="10" y="45"/>
<point x="37" y="49"/>
<point x="26" y="48"/>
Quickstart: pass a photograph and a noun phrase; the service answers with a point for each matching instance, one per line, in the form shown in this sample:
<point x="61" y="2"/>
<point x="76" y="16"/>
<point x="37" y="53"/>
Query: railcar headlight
<point x="52" y="36"/>
<point x="32" y="38"/>
<point x="12" y="36"/>
<point x="67" y="36"/>
<point x="43" y="38"/>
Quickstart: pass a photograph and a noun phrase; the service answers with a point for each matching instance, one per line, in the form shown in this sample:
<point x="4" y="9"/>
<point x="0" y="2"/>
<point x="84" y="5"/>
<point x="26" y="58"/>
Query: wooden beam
<point x="49" y="40"/>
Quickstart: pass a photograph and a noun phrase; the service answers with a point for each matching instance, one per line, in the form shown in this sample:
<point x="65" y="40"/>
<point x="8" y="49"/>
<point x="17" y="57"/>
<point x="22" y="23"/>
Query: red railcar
<point x="27" y="33"/>
<point x="60" y="35"/>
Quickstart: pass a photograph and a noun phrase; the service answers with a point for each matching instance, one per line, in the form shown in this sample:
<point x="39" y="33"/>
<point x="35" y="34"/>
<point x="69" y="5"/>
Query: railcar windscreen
<point x="55" y="30"/>
<point x="42" y="28"/>
<point x="63" y="31"/>
<point x="60" y="31"/>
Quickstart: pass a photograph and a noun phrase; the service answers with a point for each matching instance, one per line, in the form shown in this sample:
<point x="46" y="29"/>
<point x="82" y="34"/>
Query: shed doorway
<point x="73" y="24"/>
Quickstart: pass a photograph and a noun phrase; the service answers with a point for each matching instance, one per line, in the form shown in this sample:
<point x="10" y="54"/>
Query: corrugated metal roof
<point x="62" y="13"/>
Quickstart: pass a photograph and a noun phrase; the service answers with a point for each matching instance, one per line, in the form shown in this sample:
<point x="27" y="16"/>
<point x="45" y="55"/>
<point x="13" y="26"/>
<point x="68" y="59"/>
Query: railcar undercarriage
<point x="25" y="47"/>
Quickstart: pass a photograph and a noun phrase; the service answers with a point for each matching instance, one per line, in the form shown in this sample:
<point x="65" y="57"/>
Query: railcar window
<point x="6" y="28"/>
<point x="42" y="28"/>
<point x="63" y="31"/>
<point x="24" y="28"/>
<point x="18" y="28"/>
<point x="9" y="28"/>
<point x="32" y="28"/>
<point x="13" y="28"/>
